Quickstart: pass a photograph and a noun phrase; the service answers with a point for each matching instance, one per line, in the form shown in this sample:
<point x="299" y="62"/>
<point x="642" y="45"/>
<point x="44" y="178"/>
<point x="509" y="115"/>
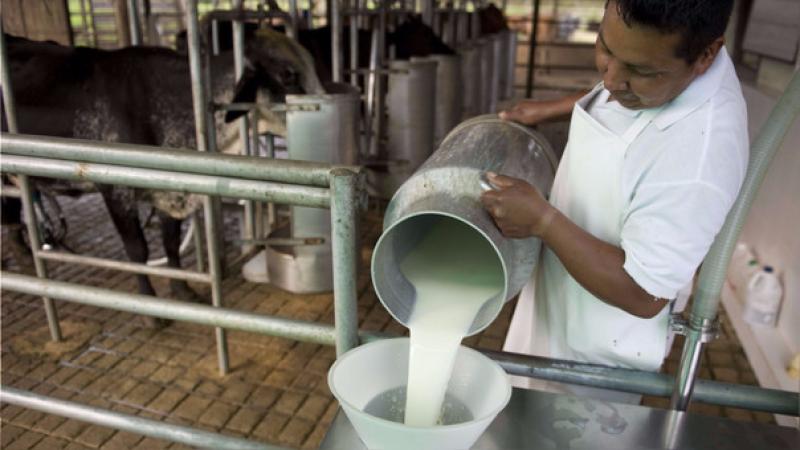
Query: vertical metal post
<point x="687" y="372"/>
<point x="199" y="257"/>
<point x="294" y="14"/>
<point x="25" y="187"/>
<point x="244" y="122"/>
<point x="214" y="37"/>
<point x="532" y="50"/>
<point x="380" y="92"/>
<point x="355" y="8"/>
<point x="133" y="22"/>
<point x="344" y="214"/>
<point x="336" y="40"/>
<point x="427" y="12"/>
<point x="205" y="143"/>
<point x="95" y="42"/>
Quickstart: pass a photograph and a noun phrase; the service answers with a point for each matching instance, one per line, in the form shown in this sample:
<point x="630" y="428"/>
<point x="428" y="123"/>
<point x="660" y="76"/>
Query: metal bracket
<point x="709" y="330"/>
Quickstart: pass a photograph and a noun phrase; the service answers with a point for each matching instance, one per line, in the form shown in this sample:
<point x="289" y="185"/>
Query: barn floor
<point x="276" y="391"/>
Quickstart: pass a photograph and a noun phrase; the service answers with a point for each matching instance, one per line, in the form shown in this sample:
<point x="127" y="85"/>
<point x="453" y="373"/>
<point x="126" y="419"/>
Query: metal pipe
<point x="167" y="180"/>
<point x="125" y="422"/>
<point x="532" y="49"/>
<point x="26" y="191"/>
<point x="9" y="102"/>
<point x="36" y="246"/>
<point x="133" y="22"/>
<point x="646" y="383"/>
<point x="336" y="41"/>
<point x="355" y="7"/>
<point x="627" y="380"/>
<point x="244" y="122"/>
<point x="372" y="84"/>
<point x="170" y="309"/>
<point x="380" y="92"/>
<point x="125" y="266"/>
<point x="215" y="272"/>
<point x="206" y="142"/>
<point x="714" y="269"/>
<point x="344" y="225"/>
<point x="214" y="37"/>
<point x="175" y="160"/>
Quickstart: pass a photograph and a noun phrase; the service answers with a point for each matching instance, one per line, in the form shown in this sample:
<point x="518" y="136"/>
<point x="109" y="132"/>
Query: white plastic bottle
<point x="743" y="266"/>
<point x="763" y="299"/>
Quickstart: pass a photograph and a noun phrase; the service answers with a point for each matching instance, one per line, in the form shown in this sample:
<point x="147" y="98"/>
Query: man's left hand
<point x="518" y="209"/>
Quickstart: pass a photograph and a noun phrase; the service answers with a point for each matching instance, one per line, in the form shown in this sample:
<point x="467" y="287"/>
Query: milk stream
<point x="454" y="271"/>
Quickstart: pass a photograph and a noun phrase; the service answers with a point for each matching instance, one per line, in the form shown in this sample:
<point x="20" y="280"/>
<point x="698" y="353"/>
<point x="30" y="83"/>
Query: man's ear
<point x="707" y="57"/>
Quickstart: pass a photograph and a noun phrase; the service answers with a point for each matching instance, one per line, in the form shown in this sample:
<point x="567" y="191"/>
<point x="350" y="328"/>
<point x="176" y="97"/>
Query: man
<point x="656" y="155"/>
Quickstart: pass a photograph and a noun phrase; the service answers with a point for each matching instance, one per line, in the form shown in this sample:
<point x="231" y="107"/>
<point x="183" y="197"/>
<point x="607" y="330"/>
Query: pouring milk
<point x="454" y="271"/>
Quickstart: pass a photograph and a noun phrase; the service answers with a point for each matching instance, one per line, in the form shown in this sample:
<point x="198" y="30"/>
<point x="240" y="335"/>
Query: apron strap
<point x="644" y="119"/>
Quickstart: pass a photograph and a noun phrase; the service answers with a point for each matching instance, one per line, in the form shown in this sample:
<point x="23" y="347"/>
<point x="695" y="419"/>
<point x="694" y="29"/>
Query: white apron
<point x="566" y="321"/>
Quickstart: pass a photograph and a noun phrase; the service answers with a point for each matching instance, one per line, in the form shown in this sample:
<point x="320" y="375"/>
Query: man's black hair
<point x="699" y="21"/>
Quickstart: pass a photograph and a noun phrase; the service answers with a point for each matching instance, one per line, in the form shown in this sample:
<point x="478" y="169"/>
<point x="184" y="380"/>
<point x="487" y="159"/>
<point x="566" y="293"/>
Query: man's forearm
<point x="598" y="267"/>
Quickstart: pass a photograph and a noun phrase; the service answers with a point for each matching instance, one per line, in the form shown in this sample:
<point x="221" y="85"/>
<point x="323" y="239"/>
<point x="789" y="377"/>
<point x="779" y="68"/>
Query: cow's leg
<point x="124" y="213"/>
<point x="11" y="218"/>
<point x="171" y="236"/>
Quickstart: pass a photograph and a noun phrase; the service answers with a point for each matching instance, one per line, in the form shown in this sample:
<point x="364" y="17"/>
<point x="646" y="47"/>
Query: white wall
<point x="773" y="224"/>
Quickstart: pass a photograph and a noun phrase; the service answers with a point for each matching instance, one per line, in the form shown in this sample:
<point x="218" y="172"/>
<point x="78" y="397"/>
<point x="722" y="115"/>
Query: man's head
<point x="648" y="51"/>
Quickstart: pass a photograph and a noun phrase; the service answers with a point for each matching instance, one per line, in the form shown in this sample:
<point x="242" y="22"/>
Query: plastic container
<point x="361" y="375"/>
<point x="763" y="299"/>
<point x="743" y="266"/>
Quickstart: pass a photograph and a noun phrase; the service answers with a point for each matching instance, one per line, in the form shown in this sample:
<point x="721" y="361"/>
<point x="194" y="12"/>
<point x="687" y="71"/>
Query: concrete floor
<point x="276" y="391"/>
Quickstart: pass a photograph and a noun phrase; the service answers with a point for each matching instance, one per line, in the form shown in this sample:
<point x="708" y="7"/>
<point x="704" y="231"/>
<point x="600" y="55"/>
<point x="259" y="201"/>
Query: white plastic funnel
<point x="364" y="373"/>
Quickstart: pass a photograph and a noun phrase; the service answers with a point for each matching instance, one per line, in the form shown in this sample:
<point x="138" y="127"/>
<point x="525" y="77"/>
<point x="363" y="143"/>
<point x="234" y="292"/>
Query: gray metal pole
<point x="205" y="142"/>
<point x="336" y="40"/>
<point x="26" y="191"/>
<point x="355" y="8"/>
<point x="133" y="21"/>
<point x="167" y="180"/>
<point x="344" y="226"/>
<point x="626" y="380"/>
<point x="306" y="173"/>
<point x="244" y="122"/>
<point x="9" y="103"/>
<point x="126" y="422"/>
<point x="532" y="50"/>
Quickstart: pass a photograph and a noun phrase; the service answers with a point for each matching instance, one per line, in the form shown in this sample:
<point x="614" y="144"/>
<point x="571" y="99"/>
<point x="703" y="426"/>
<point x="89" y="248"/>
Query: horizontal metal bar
<point x="242" y="15"/>
<point x="277" y="107"/>
<point x="627" y="380"/>
<point x="647" y="383"/>
<point x="178" y="160"/>
<point x="367" y="71"/>
<point x="168" y="180"/>
<point x="170" y="309"/>
<point x="285" y="242"/>
<point x="125" y="266"/>
<point x="126" y="422"/>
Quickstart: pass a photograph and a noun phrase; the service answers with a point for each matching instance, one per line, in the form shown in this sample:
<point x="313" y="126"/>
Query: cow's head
<point x="414" y="38"/>
<point x="276" y="65"/>
<point x="492" y="19"/>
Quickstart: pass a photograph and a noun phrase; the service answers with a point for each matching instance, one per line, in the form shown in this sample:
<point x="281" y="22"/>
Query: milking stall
<point x="393" y="224"/>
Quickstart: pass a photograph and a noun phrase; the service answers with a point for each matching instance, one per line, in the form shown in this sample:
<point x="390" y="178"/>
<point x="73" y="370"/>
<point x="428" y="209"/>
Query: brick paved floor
<point x="276" y="391"/>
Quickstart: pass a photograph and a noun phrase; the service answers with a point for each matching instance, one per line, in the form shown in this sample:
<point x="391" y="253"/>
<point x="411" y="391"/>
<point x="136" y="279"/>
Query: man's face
<point x="639" y="65"/>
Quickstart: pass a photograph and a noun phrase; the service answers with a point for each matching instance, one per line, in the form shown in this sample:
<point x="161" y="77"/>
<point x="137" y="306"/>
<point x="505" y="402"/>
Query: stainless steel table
<point x="541" y="420"/>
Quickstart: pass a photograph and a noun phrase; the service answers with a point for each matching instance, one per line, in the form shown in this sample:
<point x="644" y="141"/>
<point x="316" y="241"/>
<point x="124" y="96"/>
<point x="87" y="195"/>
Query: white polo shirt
<point x="680" y="176"/>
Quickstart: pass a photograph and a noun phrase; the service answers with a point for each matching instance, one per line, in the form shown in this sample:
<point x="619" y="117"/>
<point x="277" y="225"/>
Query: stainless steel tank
<point x="510" y="47"/>
<point x="471" y="77"/>
<point x="411" y="106"/>
<point x="331" y="135"/>
<point x="447" y="187"/>
<point x="487" y="73"/>
<point x="449" y="95"/>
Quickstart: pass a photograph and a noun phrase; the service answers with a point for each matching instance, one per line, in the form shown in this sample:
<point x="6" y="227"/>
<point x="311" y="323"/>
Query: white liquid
<point x="454" y="271"/>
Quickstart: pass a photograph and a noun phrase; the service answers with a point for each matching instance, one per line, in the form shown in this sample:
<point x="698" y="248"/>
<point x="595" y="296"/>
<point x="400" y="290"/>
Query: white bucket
<point x="381" y="367"/>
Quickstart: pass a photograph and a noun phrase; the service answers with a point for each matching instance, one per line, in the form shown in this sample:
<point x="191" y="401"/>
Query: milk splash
<point x="455" y="271"/>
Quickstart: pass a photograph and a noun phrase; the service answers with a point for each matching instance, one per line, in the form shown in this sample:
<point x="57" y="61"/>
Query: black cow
<point x="410" y="38"/>
<point x="142" y="95"/>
